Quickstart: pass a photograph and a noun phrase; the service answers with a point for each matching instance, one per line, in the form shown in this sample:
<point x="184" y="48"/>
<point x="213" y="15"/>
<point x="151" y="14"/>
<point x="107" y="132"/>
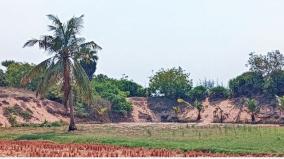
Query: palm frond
<point x="82" y="81"/>
<point x="52" y="75"/>
<point x="75" y="24"/>
<point x="91" y="45"/>
<point x="31" y="42"/>
<point x="51" y="28"/>
<point x="54" y="19"/>
<point x="36" y="71"/>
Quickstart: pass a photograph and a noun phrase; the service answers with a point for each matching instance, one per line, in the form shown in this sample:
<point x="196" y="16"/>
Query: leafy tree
<point x="6" y="63"/>
<point x="280" y="103"/>
<point x="172" y="83"/>
<point x="247" y="84"/>
<point x="199" y="106"/>
<point x="218" y="92"/>
<point x="253" y="108"/>
<point x="198" y="93"/>
<point x="266" y="64"/>
<point x="274" y="84"/>
<point x="16" y="71"/>
<point x="3" y="81"/>
<point x="64" y="66"/>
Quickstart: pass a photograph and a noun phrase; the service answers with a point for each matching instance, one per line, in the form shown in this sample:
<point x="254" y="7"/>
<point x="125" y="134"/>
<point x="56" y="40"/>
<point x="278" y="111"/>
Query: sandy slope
<point x="42" y="109"/>
<point x="146" y="110"/>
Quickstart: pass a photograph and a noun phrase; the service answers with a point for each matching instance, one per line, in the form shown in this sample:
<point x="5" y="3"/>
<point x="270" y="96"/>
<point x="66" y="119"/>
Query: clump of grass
<point x="12" y="120"/>
<point x="52" y="124"/>
<point x="43" y="124"/>
<point x="16" y="110"/>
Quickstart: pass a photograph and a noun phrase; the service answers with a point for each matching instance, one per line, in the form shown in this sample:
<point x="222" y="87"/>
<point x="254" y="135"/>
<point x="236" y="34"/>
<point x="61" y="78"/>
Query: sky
<point x="208" y="38"/>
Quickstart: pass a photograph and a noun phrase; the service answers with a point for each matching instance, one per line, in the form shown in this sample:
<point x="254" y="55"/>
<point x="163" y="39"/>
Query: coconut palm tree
<point x="63" y="67"/>
<point x="253" y="108"/>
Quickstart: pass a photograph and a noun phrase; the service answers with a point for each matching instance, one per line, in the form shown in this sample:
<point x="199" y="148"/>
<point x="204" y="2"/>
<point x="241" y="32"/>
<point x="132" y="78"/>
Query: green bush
<point x="51" y="124"/>
<point x="106" y="88"/>
<point x="17" y="110"/>
<point x="3" y="81"/>
<point x="218" y="92"/>
<point x="133" y="89"/>
<point x="247" y="84"/>
<point x="12" y="120"/>
<point x="55" y="94"/>
<point x="198" y="93"/>
<point x="171" y="83"/>
<point x="16" y="71"/>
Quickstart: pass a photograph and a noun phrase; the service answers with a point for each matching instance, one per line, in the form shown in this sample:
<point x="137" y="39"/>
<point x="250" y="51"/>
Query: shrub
<point x="247" y="84"/>
<point x="218" y="92"/>
<point x="133" y="89"/>
<point x="12" y="120"/>
<point x="172" y="83"/>
<point x="106" y="88"/>
<point x="100" y="109"/>
<point x="199" y="106"/>
<point x="55" y="94"/>
<point x="17" y="110"/>
<point x="51" y="124"/>
<point x="3" y="81"/>
<point x="198" y="93"/>
<point x="253" y="108"/>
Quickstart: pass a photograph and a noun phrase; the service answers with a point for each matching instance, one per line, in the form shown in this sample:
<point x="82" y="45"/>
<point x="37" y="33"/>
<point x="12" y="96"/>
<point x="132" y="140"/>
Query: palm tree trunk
<point x="67" y="93"/>
<point x="72" y="125"/>
<point x="253" y="118"/>
<point x="199" y="115"/>
<point x="221" y="117"/>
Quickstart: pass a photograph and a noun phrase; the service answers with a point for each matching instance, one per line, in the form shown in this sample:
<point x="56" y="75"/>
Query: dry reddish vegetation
<point x="50" y="149"/>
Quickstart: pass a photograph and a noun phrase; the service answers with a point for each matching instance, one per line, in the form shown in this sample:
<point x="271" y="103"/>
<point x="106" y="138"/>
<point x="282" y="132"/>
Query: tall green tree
<point x="266" y="64"/>
<point x="172" y="83"/>
<point x="63" y="67"/>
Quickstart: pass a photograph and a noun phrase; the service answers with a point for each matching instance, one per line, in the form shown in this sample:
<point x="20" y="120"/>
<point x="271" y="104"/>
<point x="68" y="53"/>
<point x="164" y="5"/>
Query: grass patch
<point x="16" y="110"/>
<point x="228" y="139"/>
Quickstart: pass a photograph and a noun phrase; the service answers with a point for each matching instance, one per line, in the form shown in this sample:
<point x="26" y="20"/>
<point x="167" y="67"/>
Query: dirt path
<point x="51" y="149"/>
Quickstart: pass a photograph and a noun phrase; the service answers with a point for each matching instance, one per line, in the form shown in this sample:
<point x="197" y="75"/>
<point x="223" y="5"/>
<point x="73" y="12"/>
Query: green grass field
<point x="213" y="138"/>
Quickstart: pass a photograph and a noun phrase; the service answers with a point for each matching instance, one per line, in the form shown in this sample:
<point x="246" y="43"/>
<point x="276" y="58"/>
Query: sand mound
<point x="22" y="105"/>
<point x="227" y="111"/>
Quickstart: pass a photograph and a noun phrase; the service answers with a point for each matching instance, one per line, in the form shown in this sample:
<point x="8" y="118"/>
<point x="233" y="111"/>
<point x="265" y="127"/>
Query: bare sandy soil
<point x="41" y="109"/>
<point x="51" y="149"/>
<point x="230" y="110"/>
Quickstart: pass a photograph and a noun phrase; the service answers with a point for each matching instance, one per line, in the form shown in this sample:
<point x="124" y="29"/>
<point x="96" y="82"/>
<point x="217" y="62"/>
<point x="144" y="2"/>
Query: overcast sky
<point x="208" y="38"/>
